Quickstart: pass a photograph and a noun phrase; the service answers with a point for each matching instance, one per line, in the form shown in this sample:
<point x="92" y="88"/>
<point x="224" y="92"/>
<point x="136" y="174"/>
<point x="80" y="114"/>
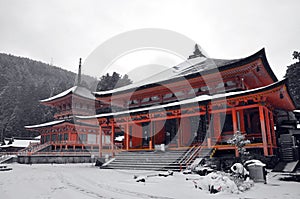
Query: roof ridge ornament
<point x="197" y="52"/>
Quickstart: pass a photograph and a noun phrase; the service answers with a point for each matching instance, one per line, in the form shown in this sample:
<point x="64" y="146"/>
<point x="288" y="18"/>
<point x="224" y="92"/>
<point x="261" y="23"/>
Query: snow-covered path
<point x="86" y="181"/>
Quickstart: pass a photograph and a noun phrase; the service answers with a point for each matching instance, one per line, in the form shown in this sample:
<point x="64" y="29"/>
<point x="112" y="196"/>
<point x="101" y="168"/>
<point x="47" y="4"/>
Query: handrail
<point x="196" y="151"/>
<point x="33" y="149"/>
<point x="186" y="154"/>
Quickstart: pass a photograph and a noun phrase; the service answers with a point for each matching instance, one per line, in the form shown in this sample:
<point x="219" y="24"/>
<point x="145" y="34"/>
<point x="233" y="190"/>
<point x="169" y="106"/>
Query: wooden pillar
<point x="272" y="129"/>
<point x="112" y="137"/>
<point x="269" y="138"/>
<point x="100" y="141"/>
<point x="153" y="132"/>
<point x="217" y="127"/>
<point x="248" y="120"/>
<point x="236" y="151"/>
<point x="208" y="132"/>
<point x="235" y="128"/>
<point x="179" y="132"/>
<point x="127" y="136"/>
<point x="150" y="135"/>
<point x="234" y="121"/>
<point x="263" y="129"/>
<point x="242" y="121"/>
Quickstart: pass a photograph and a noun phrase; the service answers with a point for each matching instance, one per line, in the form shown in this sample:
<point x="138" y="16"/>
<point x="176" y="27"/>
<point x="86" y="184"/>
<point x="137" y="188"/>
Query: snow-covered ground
<point x="86" y="181"/>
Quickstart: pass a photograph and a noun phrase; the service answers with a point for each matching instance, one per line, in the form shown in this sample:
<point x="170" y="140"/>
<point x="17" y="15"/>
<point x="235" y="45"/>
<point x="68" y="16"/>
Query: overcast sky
<point x="65" y="30"/>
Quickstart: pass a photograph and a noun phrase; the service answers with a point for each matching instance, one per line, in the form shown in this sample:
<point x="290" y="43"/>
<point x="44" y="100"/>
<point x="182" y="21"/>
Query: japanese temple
<point x="198" y="104"/>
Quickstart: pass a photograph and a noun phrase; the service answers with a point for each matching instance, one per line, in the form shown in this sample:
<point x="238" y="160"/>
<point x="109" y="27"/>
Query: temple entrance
<point x="146" y="134"/>
<point x="171" y="128"/>
<point x="198" y="128"/>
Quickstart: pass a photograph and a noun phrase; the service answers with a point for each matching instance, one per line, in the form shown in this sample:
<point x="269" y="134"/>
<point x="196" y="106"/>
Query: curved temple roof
<point x="192" y="67"/>
<point x="52" y="123"/>
<point x="77" y="90"/>
<point x="198" y="99"/>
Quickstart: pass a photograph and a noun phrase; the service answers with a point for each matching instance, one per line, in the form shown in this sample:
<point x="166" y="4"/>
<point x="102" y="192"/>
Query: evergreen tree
<point x="109" y="82"/>
<point x="23" y="82"/>
<point x="293" y="74"/>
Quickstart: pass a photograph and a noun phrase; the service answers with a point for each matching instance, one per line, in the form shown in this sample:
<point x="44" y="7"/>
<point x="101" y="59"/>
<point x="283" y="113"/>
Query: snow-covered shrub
<point x="222" y="182"/>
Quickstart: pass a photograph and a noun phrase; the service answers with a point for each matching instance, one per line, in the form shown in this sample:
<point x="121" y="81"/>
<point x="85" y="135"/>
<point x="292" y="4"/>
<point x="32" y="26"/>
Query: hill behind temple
<point x="23" y="82"/>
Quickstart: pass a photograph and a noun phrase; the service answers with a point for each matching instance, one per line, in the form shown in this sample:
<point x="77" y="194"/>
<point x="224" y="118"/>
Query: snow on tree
<point x="240" y="142"/>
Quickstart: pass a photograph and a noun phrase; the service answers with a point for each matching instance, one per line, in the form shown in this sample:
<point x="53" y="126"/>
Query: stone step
<point x="146" y="167"/>
<point x="148" y="160"/>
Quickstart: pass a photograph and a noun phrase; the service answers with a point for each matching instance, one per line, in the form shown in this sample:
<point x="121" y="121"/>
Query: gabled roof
<point x="191" y="68"/>
<point x="77" y="90"/>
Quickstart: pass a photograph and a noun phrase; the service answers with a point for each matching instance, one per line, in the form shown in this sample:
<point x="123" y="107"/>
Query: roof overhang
<point x="277" y="94"/>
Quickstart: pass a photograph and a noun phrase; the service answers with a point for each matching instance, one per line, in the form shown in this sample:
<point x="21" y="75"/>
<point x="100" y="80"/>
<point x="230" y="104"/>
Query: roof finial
<point x="197" y="52"/>
<point x="79" y="73"/>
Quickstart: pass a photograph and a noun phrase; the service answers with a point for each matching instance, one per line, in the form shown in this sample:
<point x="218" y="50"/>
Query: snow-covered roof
<point x="190" y="66"/>
<point x="254" y="163"/>
<point x="19" y="143"/>
<point x="77" y="90"/>
<point x="201" y="98"/>
<point x="45" y="124"/>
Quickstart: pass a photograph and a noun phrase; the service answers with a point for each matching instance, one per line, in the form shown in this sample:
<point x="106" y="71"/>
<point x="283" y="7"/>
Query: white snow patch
<point x="86" y="181"/>
<point x="45" y="124"/>
<point x="19" y="143"/>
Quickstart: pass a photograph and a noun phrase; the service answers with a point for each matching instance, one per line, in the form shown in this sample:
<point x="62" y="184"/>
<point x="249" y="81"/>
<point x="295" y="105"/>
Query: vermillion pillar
<point x="112" y="137"/>
<point x="272" y="129"/>
<point x="100" y="141"/>
<point x="242" y="121"/>
<point x="208" y="127"/>
<point x="235" y="128"/>
<point x="234" y="121"/>
<point x="151" y="136"/>
<point x="263" y="130"/>
<point x="217" y="128"/>
<point x="269" y="138"/>
<point x="127" y="136"/>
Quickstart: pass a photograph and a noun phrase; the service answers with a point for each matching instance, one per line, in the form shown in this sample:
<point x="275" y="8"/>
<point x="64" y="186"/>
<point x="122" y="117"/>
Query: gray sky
<point x="65" y="30"/>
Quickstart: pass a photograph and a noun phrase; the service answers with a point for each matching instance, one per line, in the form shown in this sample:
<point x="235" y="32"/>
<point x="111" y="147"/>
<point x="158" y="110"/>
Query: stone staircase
<point x="6" y="158"/>
<point x="175" y="160"/>
<point x="31" y="149"/>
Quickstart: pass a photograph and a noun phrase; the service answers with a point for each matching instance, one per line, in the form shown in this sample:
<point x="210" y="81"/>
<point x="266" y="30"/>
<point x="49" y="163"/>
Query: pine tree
<point x="293" y="74"/>
<point x="240" y="142"/>
<point x="109" y="82"/>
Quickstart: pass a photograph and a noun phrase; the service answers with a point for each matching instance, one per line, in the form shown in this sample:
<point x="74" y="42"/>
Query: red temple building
<point x="198" y="104"/>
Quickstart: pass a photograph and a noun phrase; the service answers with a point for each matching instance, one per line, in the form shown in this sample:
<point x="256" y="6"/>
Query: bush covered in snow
<point x="222" y="182"/>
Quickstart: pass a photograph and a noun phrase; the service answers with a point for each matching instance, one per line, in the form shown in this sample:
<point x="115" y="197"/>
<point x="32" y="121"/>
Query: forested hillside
<point x="23" y="82"/>
<point x="293" y="75"/>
